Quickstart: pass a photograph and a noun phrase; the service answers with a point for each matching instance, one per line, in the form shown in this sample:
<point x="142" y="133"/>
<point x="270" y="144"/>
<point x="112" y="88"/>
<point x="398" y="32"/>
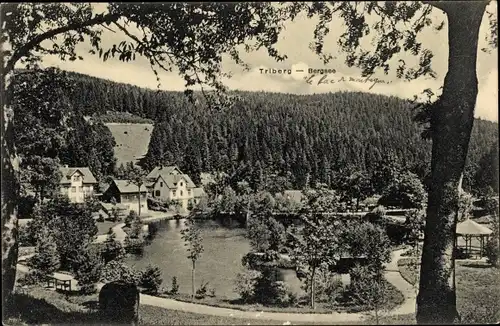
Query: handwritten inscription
<point x="326" y="80"/>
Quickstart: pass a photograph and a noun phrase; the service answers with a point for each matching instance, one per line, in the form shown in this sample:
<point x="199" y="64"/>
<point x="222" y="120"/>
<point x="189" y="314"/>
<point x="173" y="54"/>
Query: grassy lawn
<point x="42" y="306"/>
<point x="478" y="289"/>
<point x="103" y="227"/>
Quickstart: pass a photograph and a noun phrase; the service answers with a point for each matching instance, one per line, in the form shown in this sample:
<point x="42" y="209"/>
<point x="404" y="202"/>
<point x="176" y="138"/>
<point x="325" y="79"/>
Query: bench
<point x="53" y="282"/>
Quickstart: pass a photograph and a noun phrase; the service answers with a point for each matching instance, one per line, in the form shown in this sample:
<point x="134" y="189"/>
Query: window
<point x="189" y="192"/>
<point x="73" y="189"/>
<point x="181" y="183"/>
<point x="76" y="178"/>
<point x="157" y="193"/>
<point x="181" y="193"/>
<point x="161" y="183"/>
<point x="173" y="193"/>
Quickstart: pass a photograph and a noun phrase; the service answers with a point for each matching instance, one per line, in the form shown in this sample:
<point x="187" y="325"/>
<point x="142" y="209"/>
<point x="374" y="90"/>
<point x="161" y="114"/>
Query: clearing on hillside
<point x="132" y="140"/>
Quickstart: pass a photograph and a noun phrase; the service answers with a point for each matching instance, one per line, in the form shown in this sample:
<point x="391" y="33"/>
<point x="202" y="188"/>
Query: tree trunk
<point x="139" y="200"/>
<point x="10" y="193"/>
<point x="313" y="273"/>
<point x="451" y="126"/>
<point x="192" y="279"/>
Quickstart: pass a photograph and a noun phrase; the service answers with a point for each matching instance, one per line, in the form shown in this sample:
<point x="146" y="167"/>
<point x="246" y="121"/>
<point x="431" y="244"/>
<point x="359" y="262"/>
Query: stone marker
<point x="119" y="302"/>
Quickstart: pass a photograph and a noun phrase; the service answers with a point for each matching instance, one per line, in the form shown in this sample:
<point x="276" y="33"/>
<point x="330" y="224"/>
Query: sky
<point x="294" y="42"/>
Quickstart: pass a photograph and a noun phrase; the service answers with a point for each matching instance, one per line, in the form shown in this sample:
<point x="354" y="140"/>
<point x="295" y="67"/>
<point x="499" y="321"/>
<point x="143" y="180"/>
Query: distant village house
<point x="127" y="194"/>
<point x="168" y="183"/>
<point x="77" y="183"/>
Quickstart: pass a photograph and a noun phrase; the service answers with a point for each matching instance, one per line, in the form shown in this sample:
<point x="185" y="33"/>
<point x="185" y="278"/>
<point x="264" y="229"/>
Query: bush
<point x="175" y="286"/>
<point x="134" y="245"/>
<point x="246" y="283"/>
<point x="202" y="291"/>
<point x="112" y="249"/>
<point x="328" y="286"/>
<point x="46" y="259"/>
<point x="118" y="271"/>
<point x="26" y="236"/>
<point x="491" y="250"/>
<point x="151" y="279"/>
<point x="130" y="218"/>
<point x="88" y="266"/>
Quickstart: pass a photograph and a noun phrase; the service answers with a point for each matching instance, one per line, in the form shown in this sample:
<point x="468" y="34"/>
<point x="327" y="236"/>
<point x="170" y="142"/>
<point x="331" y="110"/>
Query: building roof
<point x="172" y="180"/>
<point x="127" y="187"/>
<point x="67" y="173"/>
<point x="469" y="227"/>
<point x="164" y="170"/>
<point x="199" y="192"/>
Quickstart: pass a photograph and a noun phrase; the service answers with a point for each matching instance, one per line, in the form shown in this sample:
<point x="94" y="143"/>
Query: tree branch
<point x="25" y="49"/>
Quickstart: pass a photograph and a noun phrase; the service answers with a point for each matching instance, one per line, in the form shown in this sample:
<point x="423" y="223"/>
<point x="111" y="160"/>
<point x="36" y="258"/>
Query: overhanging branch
<point x="25" y="49"/>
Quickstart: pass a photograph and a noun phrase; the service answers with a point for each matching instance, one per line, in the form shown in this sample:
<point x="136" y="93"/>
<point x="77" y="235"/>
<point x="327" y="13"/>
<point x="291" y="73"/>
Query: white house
<point x="77" y="183"/>
<point x="168" y="183"/>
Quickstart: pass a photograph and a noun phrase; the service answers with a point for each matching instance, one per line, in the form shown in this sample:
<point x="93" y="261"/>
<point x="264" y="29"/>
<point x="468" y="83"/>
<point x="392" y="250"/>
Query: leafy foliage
<point x="119" y="271"/>
<point x="151" y="279"/>
<point x="46" y="258"/>
<point x="112" y="249"/>
<point x="71" y="225"/>
<point x="406" y="192"/>
<point x="245" y="284"/>
<point x="87" y="268"/>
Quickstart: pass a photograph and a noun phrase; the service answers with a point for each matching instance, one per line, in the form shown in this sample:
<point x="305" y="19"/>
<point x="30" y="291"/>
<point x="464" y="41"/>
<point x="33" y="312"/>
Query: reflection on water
<point x="218" y="265"/>
<point x="225" y="245"/>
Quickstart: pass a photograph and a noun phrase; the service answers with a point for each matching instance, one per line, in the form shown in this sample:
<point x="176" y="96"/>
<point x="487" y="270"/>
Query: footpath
<point x="392" y="274"/>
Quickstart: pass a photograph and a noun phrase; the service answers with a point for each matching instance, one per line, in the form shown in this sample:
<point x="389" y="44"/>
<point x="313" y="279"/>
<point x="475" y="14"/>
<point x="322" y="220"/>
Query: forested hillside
<point x="321" y="134"/>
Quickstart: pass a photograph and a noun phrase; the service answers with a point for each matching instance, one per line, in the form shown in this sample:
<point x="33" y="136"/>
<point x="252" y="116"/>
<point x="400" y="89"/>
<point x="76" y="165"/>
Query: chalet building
<point x="77" y="183"/>
<point x="168" y="183"/>
<point x="127" y="194"/>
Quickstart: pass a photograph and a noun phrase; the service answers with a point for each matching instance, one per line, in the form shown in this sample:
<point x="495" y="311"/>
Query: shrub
<point x="46" y="259"/>
<point x="151" y="279"/>
<point x="134" y="245"/>
<point x="112" y="249"/>
<point x="492" y="251"/>
<point x="202" y="291"/>
<point x="328" y="286"/>
<point x="130" y="218"/>
<point x="88" y="266"/>
<point x="118" y="271"/>
<point x="175" y="286"/>
<point x="26" y="236"/>
<point x="245" y="284"/>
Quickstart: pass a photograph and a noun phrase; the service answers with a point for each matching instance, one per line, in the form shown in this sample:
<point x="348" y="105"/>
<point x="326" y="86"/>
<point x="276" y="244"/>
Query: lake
<point x="219" y="264"/>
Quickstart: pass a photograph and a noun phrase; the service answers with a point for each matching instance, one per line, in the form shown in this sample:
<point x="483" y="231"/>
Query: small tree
<point x="194" y="241"/>
<point x="406" y="192"/>
<point x="175" y="286"/>
<point x="87" y="268"/>
<point x="464" y="206"/>
<point x="130" y="218"/>
<point x="368" y="288"/>
<point x="46" y="258"/>
<point x="314" y="249"/>
<point x="112" y="249"/>
<point x="151" y="279"/>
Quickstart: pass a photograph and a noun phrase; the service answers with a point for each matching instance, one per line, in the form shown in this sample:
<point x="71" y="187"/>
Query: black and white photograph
<point x="250" y="163"/>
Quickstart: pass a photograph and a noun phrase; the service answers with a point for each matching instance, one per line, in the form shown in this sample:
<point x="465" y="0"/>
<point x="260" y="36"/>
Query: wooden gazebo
<point x="469" y="229"/>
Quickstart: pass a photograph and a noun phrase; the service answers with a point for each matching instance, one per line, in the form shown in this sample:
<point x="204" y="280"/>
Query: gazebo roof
<point x="469" y="227"/>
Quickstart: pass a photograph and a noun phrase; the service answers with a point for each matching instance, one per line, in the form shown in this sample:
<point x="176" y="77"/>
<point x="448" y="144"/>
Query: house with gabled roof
<point x="77" y="183"/>
<point x="169" y="183"/>
<point x="127" y="194"/>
